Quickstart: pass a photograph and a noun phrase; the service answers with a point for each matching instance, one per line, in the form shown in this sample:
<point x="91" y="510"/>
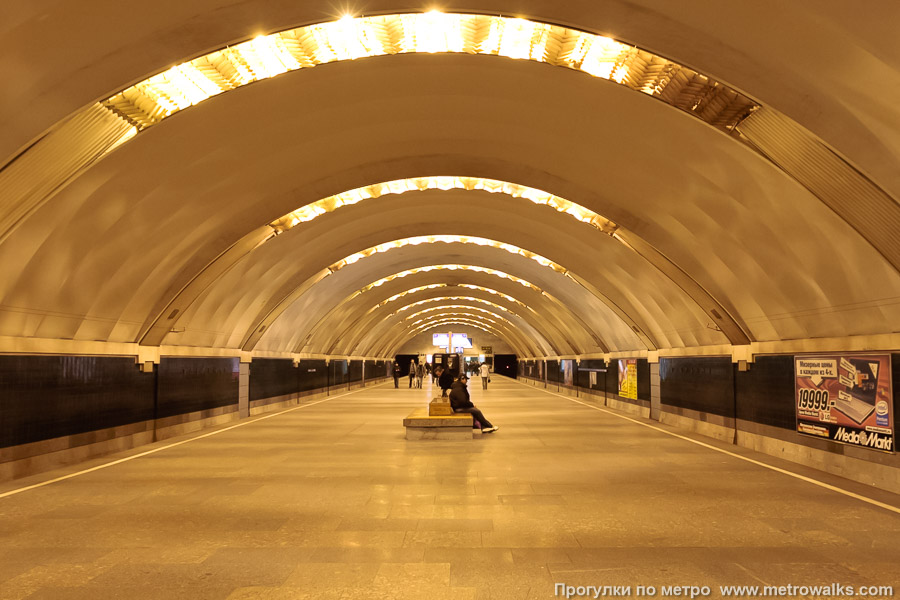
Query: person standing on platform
<point x="485" y="375"/>
<point x="444" y="379"/>
<point x="420" y="375"/>
<point x="396" y="374"/>
<point x="412" y="373"/>
<point x="461" y="403"/>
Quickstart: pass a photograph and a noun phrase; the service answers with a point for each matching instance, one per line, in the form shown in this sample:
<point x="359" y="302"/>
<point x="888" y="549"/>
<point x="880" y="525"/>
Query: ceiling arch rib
<point x="736" y="296"/>
<point x="350" y="338"/>
<point x="770" y="311"/>
<point x="190" y="83"/>
<point x="395" y="323"/>
<point x="635" y="295"/>
<point x="533" y="320"/>
<point x="352" y="314"/>
<point x="532" y="316"/>
<point x="391" y="351"/>
<point x="164" y="322"/>
<point x="415" y="306"/>
<point x="343" y="331"/>
<point x="442" y="326"/>
<point x="386" y="347"/>
<point x="713" y="308"/>
<point x="401" y="335"/>
<point x="462" y="311"/>
<point x="258" y="331"/>
<point x="397" y="334"/>
<point x="182" y="86"/>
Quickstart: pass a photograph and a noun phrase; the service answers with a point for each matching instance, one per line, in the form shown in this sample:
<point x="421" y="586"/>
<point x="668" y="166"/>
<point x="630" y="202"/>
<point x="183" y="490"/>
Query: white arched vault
<point x="103" y="258"/>
<point x="473" y="297"/>
<point x="355" y="314"/>
<point x="104" y="126"/>
<point x="252" y="241"/>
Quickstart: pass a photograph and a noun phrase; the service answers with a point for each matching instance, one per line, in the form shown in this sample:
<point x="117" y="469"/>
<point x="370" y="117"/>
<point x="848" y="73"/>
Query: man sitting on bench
<point x="460" y="402"/>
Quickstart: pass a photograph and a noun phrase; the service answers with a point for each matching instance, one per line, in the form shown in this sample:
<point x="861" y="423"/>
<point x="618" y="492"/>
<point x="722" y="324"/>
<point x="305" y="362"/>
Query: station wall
<point x="57" y="410"/>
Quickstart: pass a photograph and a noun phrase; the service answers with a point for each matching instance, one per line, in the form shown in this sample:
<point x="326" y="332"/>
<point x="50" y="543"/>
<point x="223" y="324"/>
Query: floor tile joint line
<point x="166" y="447"/>
<point x="732" y="454"/>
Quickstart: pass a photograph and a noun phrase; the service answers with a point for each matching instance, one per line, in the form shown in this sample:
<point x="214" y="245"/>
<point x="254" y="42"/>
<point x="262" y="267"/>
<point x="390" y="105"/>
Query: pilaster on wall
<point x="655" y="402"/>
<point x="244" y="390"/>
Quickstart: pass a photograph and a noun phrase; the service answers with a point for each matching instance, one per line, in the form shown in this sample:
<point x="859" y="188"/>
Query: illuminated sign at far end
<point x="460" y="340"/>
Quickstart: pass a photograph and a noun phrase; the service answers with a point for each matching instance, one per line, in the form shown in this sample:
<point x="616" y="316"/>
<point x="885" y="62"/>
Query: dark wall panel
<point x="339" y="372"/>
<point x="355" y="371"/>
<point x="194" y="384"/>
<point x="584" y="374"/>
<point x="403" y="360"/>
<point x="553" y="371"/>
<point x="371" y="370"/>
<point x="529" y="369"/>
<point x="765" y="393"/>
<point x="506" y="364"/>
<point x="44" y="397"/>
<point x="612" y="377"/>
<point x="312" y="374"/>
<point x="704" y="384"/>
<point x="643" y="379"/>
<point x="270" y="377"/>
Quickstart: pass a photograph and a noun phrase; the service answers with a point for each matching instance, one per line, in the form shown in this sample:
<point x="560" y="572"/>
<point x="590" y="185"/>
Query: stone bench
<point x="422" y="426"/>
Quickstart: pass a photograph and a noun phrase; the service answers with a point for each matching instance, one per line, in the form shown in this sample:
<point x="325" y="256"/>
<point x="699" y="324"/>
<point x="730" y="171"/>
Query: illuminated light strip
<point x="433" y="286"/>
<point x="466" y="322"/>
<point x="450" y="267"/>
<point x="452" y="298"/>
<point x="455" y="321"/>
<point x="421" y="288"/>
<point x="335" y="344"/>
<point x="445" y="239"/>
<point x="456" y="307"/>
<point x="499" y="330"/>
<point x="459" y="313"/>
<point x="490" y="291"/>
<point x="152" y="100"/>
<point x="496" y="332"/>
<point x="473" y="299"/>
<point x="311" y="211"/>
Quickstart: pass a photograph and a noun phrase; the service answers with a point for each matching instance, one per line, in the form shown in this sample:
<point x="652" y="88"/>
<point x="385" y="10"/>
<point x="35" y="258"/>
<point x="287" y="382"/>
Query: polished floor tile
<point x="329" y="501"/>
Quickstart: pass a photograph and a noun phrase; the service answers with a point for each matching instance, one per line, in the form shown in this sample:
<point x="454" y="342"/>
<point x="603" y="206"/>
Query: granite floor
<point x="329" y="501"/>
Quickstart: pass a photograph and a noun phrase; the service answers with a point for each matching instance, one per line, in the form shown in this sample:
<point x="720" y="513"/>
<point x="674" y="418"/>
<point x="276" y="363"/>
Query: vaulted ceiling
<point x="586" y="179"/>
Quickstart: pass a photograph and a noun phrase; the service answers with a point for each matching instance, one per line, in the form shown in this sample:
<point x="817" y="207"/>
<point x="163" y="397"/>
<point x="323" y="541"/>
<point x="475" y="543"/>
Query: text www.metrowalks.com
<point x="832" y="590"/>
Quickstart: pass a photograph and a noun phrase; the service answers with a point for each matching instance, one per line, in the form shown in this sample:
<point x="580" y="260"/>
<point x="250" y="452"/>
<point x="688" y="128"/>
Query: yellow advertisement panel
<point x="628" y="378"/>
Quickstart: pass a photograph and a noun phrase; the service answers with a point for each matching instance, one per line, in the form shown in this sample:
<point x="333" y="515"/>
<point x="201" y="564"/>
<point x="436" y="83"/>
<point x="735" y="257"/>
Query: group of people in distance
<point x="456" y="389"/>
<point x="416" y="374"/>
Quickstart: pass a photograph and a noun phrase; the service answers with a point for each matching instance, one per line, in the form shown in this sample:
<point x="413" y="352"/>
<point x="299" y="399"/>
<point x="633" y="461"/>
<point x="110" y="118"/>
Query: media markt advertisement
<point x="628" y="378"/>
<point x="846" y="398"/>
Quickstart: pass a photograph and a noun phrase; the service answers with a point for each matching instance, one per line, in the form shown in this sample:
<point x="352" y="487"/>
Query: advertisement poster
<point x="628" y="378"/>
<point x="846" y="398"/>
<point x="568" y="377"/>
